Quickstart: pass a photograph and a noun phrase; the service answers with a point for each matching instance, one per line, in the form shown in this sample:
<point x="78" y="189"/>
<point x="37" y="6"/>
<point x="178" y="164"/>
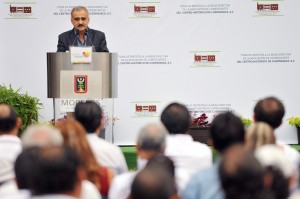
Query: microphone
<point x="76" y="36"/>
<point x="93" y="47"/>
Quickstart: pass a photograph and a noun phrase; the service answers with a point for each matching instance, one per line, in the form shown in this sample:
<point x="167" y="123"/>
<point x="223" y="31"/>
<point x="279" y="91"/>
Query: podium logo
<point x="86" y="54"/>
<point x="80" y="84"/>
<point x="22" y="10"/>
<point x="267" y="9"/>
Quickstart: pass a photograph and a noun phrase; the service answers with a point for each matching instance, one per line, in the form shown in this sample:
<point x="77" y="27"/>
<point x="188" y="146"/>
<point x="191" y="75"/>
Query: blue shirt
<point x="205" y="184"/>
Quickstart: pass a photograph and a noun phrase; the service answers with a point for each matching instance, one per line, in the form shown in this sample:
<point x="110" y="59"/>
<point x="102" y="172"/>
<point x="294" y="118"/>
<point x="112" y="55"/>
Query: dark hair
<point x="269" y="110"/>
<point x="8" y="123"/>
<point x="226" y="130"/>
<point x="241" y="176"/>
<point x="153" y="183"/>
<point x="176" y="118"/>
<point x="89" y="114"/>
<point x="280" y="184"/>
<point x="55" y="170"/>
<point x="162" y="162"/>
<point x="23" y="167"/>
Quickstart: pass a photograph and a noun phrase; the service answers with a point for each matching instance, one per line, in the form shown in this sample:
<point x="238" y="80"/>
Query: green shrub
<point x="294" y="121"/>
<point x="25" y="105"/>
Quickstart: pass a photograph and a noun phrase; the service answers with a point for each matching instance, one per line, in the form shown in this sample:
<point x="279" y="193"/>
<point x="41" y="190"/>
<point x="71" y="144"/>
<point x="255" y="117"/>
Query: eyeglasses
<point x="80" y="18"/>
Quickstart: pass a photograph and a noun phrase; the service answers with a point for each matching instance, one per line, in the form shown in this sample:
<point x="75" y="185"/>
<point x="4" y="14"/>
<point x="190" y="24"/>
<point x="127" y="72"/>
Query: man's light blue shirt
<point x="205" y="184"/>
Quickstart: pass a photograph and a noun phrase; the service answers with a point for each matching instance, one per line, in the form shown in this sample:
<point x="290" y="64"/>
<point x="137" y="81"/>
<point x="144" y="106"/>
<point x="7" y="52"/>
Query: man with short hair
<point x="81" y="34"/>
<point x="226" y="130"/>
<point x="150" y="142"/>
<point x="89" y="114"/>
<point x="188" y="156"/>
<point x="58" y="173"/>
<point x="10" y="144"/>
<point x="271" y="111"/>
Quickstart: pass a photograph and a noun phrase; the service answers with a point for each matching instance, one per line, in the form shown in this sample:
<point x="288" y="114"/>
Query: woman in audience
<point x="75" y="137"/>
<point x="259" y="134"/>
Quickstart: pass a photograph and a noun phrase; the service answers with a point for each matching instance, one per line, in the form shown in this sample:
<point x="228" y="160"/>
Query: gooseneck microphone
<point x="76" y="37"/>
<point x="93" y="47"/>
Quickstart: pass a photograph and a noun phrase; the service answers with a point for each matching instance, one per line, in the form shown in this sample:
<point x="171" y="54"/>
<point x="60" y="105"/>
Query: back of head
<point x="226" y="130"/>
<point x="24" y="167"/>
<point x="152" y="137"/>
<point x="152" y="183"/>
<point x="241" y="174"/>
<point x="89" y="114"/>
<point x="269" y="110"/>
<point x="162" y="162"/>
<point x="259" y="134"/>
<point x="55" y="171"/>
<point x="41" y="136"/>
<point x="176" y="118"/>
<point x="8" y="119"/>
<point x="75" y="137"/>
<point x="278" y="168"/>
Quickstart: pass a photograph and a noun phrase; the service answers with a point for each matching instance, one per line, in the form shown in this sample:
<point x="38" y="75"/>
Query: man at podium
<point x="81" y="34"/>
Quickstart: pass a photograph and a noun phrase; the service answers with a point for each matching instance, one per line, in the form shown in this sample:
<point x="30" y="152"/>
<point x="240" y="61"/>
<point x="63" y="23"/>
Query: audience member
<point x="10" y="146"/>
<point x="57" y="173"/>
<point x="226" y="131"/>
<point x="153" y="183"/>
<point x="150" y="142"/>
<point x="241" y="175"/>
<point x="75" y="137"/>
<point x="89" y="114"/>
<point x="48" y="136"/>
<point x="259" y="134"/>
<point x="271" y="111"/>
<point x="188" y="156"/>
<point x="278" y="170"/>
<point x="41" y="135"/>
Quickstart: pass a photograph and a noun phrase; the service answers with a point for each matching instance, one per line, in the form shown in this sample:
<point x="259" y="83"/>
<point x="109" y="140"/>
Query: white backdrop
<point x="256" y="55"/>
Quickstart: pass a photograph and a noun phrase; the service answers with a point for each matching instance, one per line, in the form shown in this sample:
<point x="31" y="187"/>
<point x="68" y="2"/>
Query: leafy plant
<point x="246" y="121"/>
<point x="294" y="121"/>
<point x="25" y="105"/>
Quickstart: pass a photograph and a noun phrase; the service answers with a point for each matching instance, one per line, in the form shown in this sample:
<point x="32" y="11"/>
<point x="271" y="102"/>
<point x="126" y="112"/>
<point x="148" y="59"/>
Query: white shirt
<point x="121" y="185"/>
<point x="188" y="156"/>
<point x="54" y="196"/>
<point x="89" y="191"/>
<point x="107" y="154"/>
<point x="10" y="148"/>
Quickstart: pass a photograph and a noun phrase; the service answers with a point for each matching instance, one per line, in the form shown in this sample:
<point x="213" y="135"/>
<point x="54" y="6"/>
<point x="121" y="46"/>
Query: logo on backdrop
<point x="145" y="109"/>
<point x="20" y="10"/>
<point x="144" y="9"/>
<point x="80" y="83"/>
<point x="204" y="59"/>
<point x="267" y="9"/>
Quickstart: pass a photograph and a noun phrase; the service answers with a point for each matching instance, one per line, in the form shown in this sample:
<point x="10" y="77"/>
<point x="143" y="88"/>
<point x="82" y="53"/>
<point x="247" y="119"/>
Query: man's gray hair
<point x="152" y="137"/>
<point x="41" y="135"/>
<point x="78" y="8"/>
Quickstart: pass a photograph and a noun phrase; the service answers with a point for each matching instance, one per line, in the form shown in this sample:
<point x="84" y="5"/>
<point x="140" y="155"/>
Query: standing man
<point x="81" y="34"/>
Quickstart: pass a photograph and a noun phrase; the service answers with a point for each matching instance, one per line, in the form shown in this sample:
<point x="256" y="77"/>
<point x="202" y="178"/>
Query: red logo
<point x="267" y="7"/>
<point x="80" y="83"/>
<point x="145" y="9"/>
<point x="20" y="9"/>
<point x="150" y="108"/>
<point x="208" y="58"/>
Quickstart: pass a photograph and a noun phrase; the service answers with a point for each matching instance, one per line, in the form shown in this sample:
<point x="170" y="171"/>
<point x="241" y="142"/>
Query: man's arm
<point x="60" y="46"/>
<point x="102" y="45"/>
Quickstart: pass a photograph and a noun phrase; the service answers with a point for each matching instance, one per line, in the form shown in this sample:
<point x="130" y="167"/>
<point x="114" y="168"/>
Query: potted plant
<point x="246" y="121"/>
<point x="26" y="106"/>
<point x="295" y="121"/>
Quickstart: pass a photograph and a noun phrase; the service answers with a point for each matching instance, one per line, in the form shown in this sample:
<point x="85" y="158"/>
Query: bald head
<point x="8" y="120"/>
<point x="152" y="137"/>
<point x="269" y="110"/>
<point x="41" y="136"/>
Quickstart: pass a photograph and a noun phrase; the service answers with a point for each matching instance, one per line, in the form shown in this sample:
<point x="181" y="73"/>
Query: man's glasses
<point x="80" y="18"/>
